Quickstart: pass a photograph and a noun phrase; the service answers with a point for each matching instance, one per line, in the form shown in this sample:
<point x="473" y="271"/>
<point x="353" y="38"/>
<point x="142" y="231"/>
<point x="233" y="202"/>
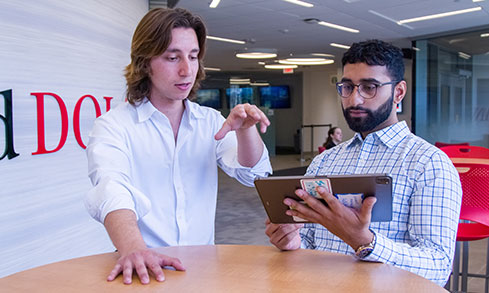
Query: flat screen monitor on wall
<point x="209" y="97"/>
<point x="243" y="95"/>
<point x="275" y="97"/>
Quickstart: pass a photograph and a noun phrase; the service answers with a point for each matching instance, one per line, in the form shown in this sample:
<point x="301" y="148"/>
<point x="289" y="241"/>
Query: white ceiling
<point x="279" y="25"/>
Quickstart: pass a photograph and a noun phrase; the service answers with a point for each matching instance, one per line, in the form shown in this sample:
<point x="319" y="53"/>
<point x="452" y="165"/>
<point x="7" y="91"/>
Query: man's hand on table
<point x="143" y="261"/>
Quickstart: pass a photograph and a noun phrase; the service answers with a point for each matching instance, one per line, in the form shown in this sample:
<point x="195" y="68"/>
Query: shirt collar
<point x="390" y="135"/>
<point x="146" y="109"/>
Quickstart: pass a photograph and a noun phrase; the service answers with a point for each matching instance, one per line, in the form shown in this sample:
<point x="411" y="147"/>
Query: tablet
<point x="273" y="191"/>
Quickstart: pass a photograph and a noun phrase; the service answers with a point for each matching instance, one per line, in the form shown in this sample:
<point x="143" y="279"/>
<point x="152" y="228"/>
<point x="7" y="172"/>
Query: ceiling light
<point x="323" y="55"/>
<point x="477" y="0"/>
<point x="239" y="80"/>
<point x="261" y="63"/>
<point x="439" y="15"/>
<point x="340" y="46"/>
<point x="390" y="19"/>
<point x="214" y="3"/>
<point x="226" y="40"/>
<point x="416" y="49"/>
<point x="212" y="69"/>
<point x="338" y="27"/>
<point x="306" y="61"/>
<point x="453" y="41"/>
<point x="257" y="53"/>
<point x="464" y="55"/>
<point x="484" y="35"/>
<point x="260" y="83"/>
<point x="301" y="3"/>
<point x="280" y="66"/>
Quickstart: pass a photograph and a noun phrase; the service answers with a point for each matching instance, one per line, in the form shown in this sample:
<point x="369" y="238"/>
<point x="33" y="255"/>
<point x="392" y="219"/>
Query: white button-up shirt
<point x="135" y="163"/>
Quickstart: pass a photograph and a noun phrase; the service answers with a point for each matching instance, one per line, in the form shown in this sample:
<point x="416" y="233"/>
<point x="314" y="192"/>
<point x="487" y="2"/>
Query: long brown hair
<point x="151" y="38"/>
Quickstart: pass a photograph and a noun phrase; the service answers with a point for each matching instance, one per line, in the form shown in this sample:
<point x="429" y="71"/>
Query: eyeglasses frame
<point x="395" y="82"/>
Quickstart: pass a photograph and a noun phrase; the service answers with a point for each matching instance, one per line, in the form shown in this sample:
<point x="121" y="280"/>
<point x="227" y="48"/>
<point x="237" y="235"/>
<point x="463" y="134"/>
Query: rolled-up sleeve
<point x="109" y="172"/>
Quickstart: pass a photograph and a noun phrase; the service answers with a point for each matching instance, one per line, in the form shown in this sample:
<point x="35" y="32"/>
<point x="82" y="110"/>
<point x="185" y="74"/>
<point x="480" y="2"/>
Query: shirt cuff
<point x="108" y="195"/>
<point x="383" y="249"/>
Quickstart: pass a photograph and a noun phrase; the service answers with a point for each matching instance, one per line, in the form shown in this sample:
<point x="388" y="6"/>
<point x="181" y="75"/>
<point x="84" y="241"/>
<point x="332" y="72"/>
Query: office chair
<point x="321" y="149"/>
<point x="474" y="213"/>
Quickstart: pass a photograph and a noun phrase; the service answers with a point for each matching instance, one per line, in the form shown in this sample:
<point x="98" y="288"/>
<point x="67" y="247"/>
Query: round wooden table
<point x="227" y="268"/>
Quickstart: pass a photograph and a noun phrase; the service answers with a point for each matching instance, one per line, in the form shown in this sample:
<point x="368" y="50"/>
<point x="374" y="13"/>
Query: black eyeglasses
<point x="367" y="90"/>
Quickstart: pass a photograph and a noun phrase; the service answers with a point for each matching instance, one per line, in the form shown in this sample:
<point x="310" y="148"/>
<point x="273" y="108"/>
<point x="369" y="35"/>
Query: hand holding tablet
<point x="350" y="190"/>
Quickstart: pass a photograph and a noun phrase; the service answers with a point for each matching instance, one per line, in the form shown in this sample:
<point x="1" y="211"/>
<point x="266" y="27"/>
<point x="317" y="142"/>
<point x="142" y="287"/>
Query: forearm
<point x="250" y="146"/>
<point x="123" y="230"/>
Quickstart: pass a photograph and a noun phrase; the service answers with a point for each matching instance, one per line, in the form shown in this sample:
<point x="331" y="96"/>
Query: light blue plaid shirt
<point x="426" y="200"/>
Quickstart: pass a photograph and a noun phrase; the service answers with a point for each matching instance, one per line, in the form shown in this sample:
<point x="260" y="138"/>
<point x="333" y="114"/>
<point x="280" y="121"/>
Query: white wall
<point x="321" y="105"/>
<point x="69" y="48"/>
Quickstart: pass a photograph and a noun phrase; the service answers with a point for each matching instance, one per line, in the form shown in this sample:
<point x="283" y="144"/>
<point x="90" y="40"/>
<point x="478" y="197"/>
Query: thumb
<point x="223" y="131"/>
<point x="367" y="206"/>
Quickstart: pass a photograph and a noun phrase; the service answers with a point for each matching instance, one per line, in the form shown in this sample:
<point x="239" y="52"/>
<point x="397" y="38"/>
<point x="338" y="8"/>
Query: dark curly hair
<point x="377" y="52"/>
<point x="151" y="38"/>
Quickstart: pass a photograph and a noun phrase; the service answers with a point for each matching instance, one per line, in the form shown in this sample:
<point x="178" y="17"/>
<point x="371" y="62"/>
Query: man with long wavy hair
<point x="153" y="160"/>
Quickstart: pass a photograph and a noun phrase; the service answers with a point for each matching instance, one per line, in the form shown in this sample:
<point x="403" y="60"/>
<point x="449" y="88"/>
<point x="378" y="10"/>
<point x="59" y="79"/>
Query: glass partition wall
<point x="452" y="88"/>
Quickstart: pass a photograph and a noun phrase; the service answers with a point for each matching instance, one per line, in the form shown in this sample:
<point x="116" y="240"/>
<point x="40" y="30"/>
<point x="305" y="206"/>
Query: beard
<point x="373" y="118"/>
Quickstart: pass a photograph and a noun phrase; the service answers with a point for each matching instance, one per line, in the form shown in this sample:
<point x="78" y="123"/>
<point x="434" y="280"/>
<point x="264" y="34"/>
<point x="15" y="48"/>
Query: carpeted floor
<point x="240" y="217"/>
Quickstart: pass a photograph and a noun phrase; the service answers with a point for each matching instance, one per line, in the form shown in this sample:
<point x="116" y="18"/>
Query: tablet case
<point x="273" y="190"/>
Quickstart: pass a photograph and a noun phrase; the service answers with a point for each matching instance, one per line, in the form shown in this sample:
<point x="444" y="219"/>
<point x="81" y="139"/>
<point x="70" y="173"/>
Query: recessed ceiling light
<point x="439" y="15"/>
<point x="453" y="41"/>
<point x="301" y="3"/>
<point x="225" y="40"/>
<point x="306" y="61"/>
<point x="338" y="27"/>
<point x="261" y="63"/>
<point x="260" y="83"/>
<point x="477" y="0"/>
<point x="257" y="53"/>
<point x="280" y="66"/>
<point x="390" y="19"/>
<point x="484" y="35"/>
<point x="212" y="69"/>
<point x="323" y="55"/>
<point x="464" y="55"/>
<point x="239" y="79"/>
<point x="340" y="46"/>
<point x="214" y="3"/>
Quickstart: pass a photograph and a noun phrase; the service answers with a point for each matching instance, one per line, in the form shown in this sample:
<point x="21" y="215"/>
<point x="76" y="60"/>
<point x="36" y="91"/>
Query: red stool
<point x="474" y="178"/>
